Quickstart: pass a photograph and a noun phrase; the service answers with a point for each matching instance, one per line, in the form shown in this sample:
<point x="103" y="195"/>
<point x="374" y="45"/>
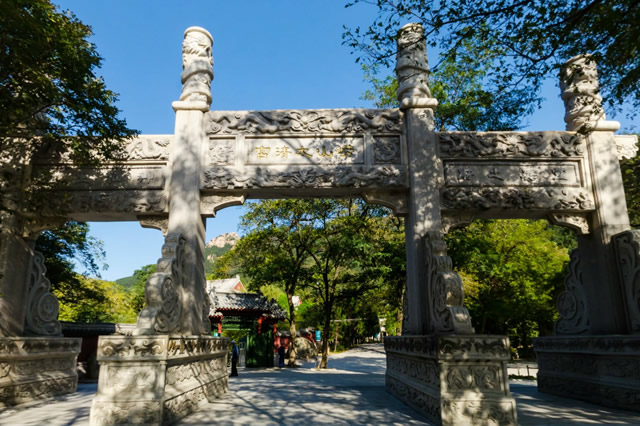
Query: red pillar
<point x="219" y="329"/>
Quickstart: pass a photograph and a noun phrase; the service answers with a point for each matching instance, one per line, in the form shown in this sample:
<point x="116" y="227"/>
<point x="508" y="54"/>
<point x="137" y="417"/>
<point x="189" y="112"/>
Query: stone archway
<point x="393" y="157"/>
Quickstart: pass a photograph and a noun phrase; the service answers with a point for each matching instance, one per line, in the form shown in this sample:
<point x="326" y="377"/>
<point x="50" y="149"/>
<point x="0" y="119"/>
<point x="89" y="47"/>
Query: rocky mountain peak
<point x="230" y="238"/>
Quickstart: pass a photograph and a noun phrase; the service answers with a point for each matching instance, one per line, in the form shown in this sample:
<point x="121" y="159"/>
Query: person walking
<point x="281" y="353"/>
<point x="235" y="354"/>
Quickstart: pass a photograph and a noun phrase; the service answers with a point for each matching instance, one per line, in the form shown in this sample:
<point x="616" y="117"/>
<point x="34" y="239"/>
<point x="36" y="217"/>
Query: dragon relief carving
<point x="162" y="313"/>
<point x="572" y="304"/>
<point x="581" y="93"/>
<point x="445" y="290"/>
<point x="386" y="151"/>
<point x="197" y="65"/>
<point x="42" y="313"/>
<point x="511" y="144"/>
<point x="412" y="69"/>
<point x="517" y="198"/>
<point x="146" y="147"/>
<point x="104" y="201"/>
<point x="303" y="121"/>
<point x="306" y="177"/>
<point x="627" y="246"/>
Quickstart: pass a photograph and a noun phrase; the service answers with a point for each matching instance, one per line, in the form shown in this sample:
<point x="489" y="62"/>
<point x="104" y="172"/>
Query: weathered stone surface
<point x="452" y="379"/>
<point x="602" y="369"/>
<point x="157" y="379"/>
<point x="35" y="368"/>
<point x="627" y="245"/>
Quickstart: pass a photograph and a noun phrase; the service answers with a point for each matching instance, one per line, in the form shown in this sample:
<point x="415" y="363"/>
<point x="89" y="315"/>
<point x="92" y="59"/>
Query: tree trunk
<point x="325" y="339"/>
<point x="293" y="350"/>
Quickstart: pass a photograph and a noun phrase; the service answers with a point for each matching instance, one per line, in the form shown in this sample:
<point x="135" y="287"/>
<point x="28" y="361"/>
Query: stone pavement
<point x="351" y="391"/>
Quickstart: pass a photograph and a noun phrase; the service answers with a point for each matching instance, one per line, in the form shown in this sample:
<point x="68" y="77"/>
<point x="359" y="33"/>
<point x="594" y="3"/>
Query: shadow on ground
<point x="351" y="391"/>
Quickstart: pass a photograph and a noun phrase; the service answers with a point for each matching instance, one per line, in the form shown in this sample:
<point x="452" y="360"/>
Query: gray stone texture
<point x="157" y="379"/>
<point x="35" y="368"/>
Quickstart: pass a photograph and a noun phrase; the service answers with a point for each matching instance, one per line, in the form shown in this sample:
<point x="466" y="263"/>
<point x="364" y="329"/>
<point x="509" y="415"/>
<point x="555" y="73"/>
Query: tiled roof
<point x="225" y="302"/>
<point x="225" y="285"/>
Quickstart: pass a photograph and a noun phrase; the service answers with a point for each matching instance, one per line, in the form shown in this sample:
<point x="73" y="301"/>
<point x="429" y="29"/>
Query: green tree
<point x="631" y="179"/>
<point x="136" y="294"/>
<point x="466" y="99"/>
<point x="528" y="39"/>
<point x="49" y="89"/>
<point x="62" y="248"/>
<point x="512" y="270"/>
<point x="110" y="305"/>
<point x="345" y="258"/>
<point x="275" y="248"/>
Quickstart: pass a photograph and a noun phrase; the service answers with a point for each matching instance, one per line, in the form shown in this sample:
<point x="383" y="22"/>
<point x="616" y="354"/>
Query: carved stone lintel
<point x="517" y="198"/>
<point x="627" y="246"/>
<point x="412" y="69"/>
<point x="511" y="144"/>
<point x="211" y="204"/>
<point x="455" y="221"/>
<point x="34" y="226"/>
<point x="162" y="313"/>
<point x="304" y="177"/>
<point x="41" y="317"/>
<point x="395" y="201"/>
<point x="445" y="290"/>
<point x="572" y="302"/>
<point x="327" y="121"/>
<point x="576" y="222"/>
<point x="160" y="222"/>
<point x="627" y="146"/>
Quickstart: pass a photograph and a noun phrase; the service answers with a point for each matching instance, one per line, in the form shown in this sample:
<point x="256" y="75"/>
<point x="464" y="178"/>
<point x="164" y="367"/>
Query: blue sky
<point x="267" y="55"/>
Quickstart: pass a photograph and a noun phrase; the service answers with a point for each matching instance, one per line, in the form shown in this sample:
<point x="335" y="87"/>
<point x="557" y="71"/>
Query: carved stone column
<point x="424" y="204"/>
<point x="438" y="366"/>
<point x="187" y="156"/>
<point x="598" y="266"/>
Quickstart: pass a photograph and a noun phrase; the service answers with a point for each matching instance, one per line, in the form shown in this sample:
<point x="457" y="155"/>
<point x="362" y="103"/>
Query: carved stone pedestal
<point x="452" y="380"/>
<point x="157" y="379"/>
<point x="601" y="369"/>
<point x="34" y="368"/>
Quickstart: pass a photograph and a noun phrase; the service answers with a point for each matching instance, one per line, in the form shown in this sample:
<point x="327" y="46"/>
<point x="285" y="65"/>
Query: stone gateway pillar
<point x="438" y="366"/>
<point x="595" y="352"/>
<point x="171" y="365"/>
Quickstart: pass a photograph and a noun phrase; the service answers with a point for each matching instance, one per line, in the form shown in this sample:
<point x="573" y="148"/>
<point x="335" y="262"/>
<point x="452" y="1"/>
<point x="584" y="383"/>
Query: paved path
<point x="350" y="392"/>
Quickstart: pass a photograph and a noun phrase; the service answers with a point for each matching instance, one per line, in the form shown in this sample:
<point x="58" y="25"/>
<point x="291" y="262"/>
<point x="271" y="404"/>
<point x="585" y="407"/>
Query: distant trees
<point x="333" y="253"/>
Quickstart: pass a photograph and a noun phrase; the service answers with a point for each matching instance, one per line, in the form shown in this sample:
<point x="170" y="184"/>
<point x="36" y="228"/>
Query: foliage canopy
<point x="526" y="39"/>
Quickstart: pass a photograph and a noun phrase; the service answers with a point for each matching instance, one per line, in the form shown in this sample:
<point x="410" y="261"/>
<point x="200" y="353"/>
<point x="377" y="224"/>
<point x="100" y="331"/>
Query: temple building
<point x="233" y="309"/>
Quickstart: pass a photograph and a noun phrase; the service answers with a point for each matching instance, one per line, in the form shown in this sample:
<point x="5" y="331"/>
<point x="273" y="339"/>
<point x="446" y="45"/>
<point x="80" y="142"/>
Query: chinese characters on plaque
<point x="306" y="151"/>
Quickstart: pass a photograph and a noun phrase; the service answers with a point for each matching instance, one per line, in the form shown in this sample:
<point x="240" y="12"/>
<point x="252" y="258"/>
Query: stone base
<point x="157" y="379"/>
<point x="35" y="368"/>
<point x="452" y="380"/>
<point x="603" y="370"/>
